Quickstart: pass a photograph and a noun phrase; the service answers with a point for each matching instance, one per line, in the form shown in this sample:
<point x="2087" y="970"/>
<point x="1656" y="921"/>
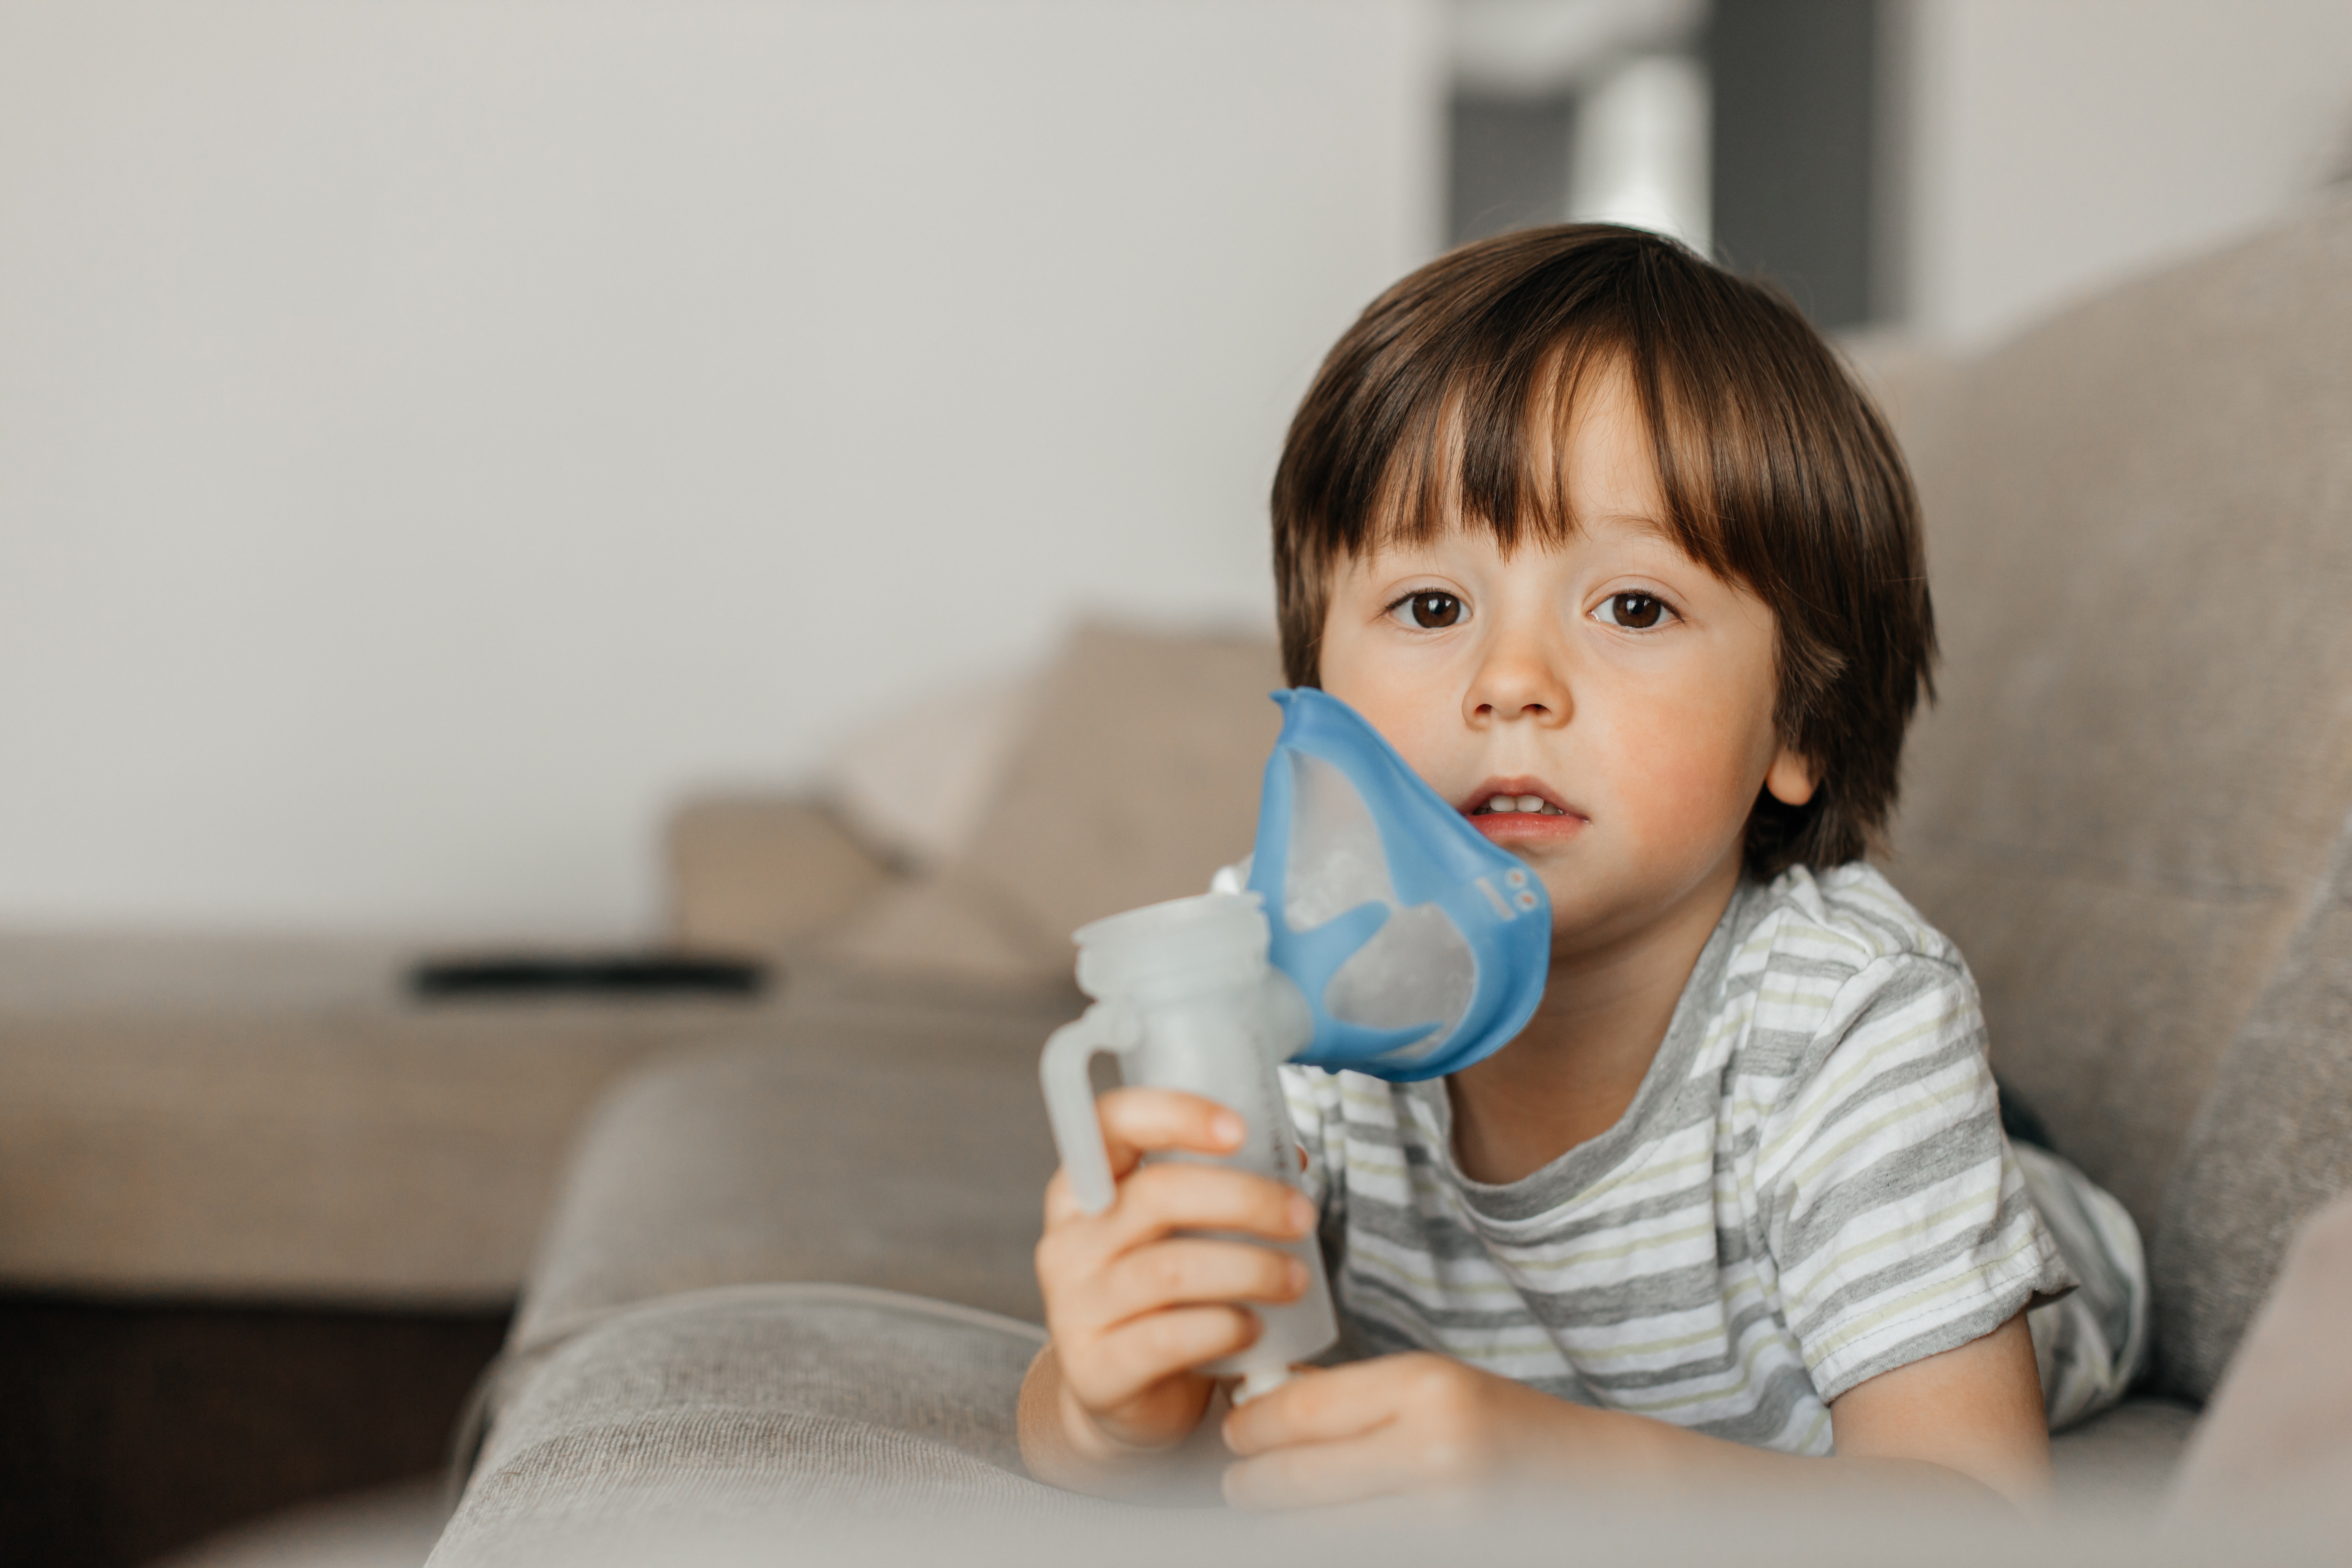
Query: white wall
<point x="432" y="433"/>
<point x="2056" y="145"/>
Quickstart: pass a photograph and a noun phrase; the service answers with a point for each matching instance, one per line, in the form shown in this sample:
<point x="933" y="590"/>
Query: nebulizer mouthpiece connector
<point x="1380" y="933"/>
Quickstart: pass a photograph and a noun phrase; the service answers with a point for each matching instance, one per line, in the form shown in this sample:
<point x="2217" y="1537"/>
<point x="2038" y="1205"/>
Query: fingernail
<point x="1301" y="1215"/>
<point x="1297" y="1278"/>
<point x="1227" y="1128"/>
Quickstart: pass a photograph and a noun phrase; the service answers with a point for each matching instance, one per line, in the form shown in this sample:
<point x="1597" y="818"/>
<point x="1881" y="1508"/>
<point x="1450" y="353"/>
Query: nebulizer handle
<point x="1186" y="1000"/>
<point x="1070" y="1051"/>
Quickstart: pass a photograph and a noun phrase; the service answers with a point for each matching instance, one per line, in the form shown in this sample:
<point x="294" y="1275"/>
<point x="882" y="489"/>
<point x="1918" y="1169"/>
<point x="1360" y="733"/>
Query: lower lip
<point x="1528" y="826"/>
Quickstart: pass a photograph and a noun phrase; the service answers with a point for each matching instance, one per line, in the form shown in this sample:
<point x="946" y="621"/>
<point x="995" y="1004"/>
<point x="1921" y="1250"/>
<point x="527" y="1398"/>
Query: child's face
<point x="1625" y="688"/>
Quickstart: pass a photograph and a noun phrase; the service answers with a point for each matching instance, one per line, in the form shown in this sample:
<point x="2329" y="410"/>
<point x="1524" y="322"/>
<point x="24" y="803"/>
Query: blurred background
<point x="438" y="436"/>
<point x="434" y="434"/>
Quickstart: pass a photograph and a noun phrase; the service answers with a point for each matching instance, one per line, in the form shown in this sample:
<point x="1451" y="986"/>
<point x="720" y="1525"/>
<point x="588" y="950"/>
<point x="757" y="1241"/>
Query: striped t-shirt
<point x="1810" y="1188"/>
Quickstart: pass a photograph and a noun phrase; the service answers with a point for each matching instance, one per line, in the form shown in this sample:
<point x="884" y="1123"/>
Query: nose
<point x="1519" y="677"/>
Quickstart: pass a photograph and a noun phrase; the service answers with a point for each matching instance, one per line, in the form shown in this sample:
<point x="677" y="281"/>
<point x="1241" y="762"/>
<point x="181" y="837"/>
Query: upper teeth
<point x="1516" y="803"/>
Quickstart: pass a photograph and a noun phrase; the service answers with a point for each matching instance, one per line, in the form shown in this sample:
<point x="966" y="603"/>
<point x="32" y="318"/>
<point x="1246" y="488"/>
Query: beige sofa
<point x="796" y="1272"/>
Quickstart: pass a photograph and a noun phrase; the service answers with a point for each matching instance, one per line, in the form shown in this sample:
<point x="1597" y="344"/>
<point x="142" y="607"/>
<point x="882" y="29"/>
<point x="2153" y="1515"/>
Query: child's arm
<point x="1133" y="1307"/>
<point x="1969" y="1418"/>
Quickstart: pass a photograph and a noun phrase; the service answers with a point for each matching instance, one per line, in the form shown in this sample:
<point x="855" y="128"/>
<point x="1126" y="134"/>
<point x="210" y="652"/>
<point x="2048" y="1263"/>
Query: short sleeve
<point x="1896" y="1220"/>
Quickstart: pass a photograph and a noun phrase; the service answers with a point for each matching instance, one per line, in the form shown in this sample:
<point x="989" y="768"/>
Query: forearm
<point x="1063" y="1447"/>
<point x="1658" y="1453"/>
<point x="1422" y="1422"/>
<point x="1964" y="1425"/>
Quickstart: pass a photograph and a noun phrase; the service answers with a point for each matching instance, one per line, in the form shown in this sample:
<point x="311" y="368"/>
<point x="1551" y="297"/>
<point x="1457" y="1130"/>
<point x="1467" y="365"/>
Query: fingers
<point x="1367" y="1429"/>
<point x="1324" y="1475"/>
<point x="1090" y="1301"/>
<point x="1160" y="1200"/>
<point x="1114" y="1368"/>
<point x="1419" y="1422"/>
<point x="1129" y="1303"/>
<point x="1134" y="1297"/>
<point x="1321" y="1406"/>
<point x="1139" y="1122"/>
<point x="1186" y="1271"/>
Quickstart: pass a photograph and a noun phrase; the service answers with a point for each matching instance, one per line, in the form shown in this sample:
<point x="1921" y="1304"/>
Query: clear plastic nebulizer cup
<point x="1185" y="997"/>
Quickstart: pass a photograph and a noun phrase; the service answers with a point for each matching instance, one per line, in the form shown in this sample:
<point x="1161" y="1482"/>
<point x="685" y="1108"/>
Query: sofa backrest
<point x="2128" y="802"/>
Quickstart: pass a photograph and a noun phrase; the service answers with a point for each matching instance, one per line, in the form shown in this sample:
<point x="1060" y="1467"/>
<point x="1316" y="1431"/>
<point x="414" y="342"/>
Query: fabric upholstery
<point x="1129" y="774"/>
<point x="763" y="873"/>
<point x="2272" y="1143"/>
<point x="2141" y="542"/>
<point x="905" y="1151"/>
<point x="790" y="1405"/>
<point x="1137" y="778"/>
<point x="252" y="1118"/>
<point x="720" y="1403"/>
<point x="2281" y="1425"/>
<point x="945" y="930"/>
<point x="1782" y="1532"/>
<point x="2127" y="1455"/>
<point x="915" y="777"/>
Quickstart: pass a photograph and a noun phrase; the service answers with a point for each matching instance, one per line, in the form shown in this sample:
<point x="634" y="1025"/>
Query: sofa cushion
<point x="2140" y="536"/>
<point x="765" y="873"/>
<point x="1137" y="777"/>
<point x="721" y="1403"/>
<point x="915" y="779"/>
<point x="2280" y="1427"/>
<point x="745" y="1423"/>
<point x="1129" y="774"/>
<point x="945" y="931"/>
<point x="906" y="1150"/>
<point x="2272" y="1143"/>
<point x="788" y="1406"/>
<point x="2127" y="1455"/>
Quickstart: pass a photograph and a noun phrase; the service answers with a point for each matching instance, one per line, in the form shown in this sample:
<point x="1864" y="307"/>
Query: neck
<point x="1572" y="1073"/>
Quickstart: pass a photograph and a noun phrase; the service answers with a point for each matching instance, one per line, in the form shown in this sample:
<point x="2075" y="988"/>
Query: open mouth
<point x="1521" y="797"/>
<point x="1516" y="804"/>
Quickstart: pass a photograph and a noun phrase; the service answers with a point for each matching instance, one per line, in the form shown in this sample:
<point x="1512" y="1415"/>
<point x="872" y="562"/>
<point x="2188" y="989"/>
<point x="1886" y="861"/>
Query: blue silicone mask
<point x="1419" y="946"/>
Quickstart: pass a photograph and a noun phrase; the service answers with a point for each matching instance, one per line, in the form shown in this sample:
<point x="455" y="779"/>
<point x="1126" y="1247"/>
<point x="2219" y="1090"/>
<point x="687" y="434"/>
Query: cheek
<point x="1417" y="729"/>
<point x="1414" y="711"/>
<point x="1686" y="765"/>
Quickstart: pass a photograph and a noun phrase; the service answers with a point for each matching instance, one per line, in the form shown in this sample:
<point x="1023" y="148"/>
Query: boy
<point x="1608" y="546"/>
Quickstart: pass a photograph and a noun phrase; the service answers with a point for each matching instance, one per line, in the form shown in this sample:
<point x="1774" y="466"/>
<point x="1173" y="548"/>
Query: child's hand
<point x="1133" y="1307"/>
<point x="1964" y="1425"/>
<point x="1400" y="1424"/>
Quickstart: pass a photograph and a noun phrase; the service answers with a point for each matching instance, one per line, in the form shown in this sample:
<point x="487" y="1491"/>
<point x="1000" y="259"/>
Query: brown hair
<point x="1776" y="470"/>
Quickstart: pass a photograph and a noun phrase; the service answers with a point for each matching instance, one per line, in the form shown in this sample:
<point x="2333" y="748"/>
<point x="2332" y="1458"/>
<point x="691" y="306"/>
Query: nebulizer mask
<point x="1380" y="933"/>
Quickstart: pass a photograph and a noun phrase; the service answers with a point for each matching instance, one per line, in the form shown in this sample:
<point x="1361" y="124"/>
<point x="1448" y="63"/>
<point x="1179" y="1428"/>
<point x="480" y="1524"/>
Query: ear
<point x="1792" y="778"/>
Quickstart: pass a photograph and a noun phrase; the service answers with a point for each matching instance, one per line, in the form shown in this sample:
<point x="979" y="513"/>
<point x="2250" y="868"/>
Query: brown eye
<point x="1434" y="610"/>
<point x="1636" y="612"/>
